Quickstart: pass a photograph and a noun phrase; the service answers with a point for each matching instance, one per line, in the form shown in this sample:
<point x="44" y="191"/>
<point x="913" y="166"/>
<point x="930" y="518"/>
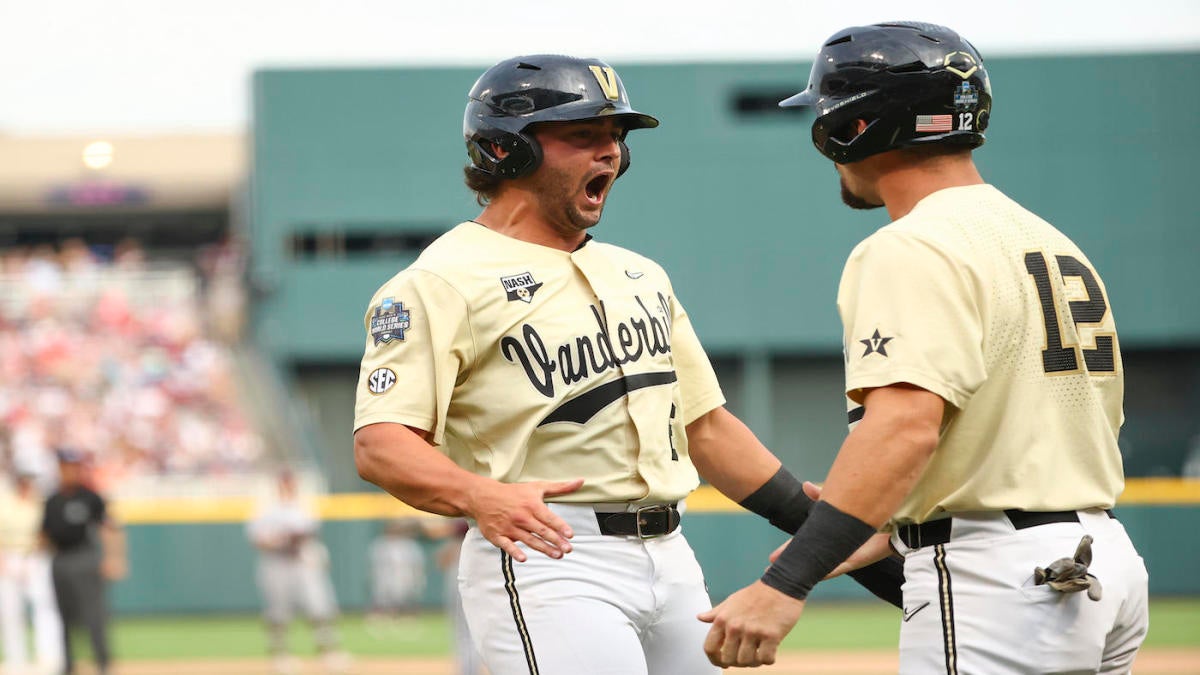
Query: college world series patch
<point x="390" y="321"/>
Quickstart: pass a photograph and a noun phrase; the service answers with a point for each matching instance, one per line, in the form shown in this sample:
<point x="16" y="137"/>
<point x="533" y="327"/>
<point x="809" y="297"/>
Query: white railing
<point x="154" y="285"/>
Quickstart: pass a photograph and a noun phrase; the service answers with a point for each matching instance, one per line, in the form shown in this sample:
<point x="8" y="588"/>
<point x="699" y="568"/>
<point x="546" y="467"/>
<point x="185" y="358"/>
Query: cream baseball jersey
<point x="981" y="302"/>
<point x="19" y="527"/>
<point x="529" y="363"/>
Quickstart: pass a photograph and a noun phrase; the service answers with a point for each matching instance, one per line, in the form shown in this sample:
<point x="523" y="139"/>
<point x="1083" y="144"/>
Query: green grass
<point x="245" y="636"/>
<point x="1173" y="623"/>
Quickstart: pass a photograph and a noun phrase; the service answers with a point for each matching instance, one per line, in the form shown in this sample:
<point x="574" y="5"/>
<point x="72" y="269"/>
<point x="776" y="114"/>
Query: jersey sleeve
<point x="911" y="313"/>
<point x="697" y="381"/>
<point x="417" y="345"/>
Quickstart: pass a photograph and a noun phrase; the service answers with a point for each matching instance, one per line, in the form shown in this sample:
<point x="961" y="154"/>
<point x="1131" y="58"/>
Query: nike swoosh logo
<point x="908" y="614"/>
<point x="634" y="275"/>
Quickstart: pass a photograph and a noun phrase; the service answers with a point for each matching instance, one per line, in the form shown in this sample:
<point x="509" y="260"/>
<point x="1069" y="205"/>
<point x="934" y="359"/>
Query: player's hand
<point x="114" y="568"/>
<point x="748" y="627"/>
<point x="507" y="513"/>
<point x="811" y="490"/>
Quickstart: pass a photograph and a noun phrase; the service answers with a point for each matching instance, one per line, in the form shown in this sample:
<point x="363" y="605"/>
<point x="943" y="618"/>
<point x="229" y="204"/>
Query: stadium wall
<point x="354" y="169"/>
<point x="193" y="557"/>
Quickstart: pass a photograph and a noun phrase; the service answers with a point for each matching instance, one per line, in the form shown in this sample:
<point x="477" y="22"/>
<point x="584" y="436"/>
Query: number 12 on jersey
<point x="1057" y="358"/>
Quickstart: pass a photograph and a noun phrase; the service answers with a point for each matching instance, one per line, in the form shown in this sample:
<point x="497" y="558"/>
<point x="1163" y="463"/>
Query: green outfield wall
<point x="210" y="567"/>
<point x="354" y="168"/>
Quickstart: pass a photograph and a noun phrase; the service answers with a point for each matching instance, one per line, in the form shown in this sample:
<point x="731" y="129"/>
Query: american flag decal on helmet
<point x="935" y="122"/>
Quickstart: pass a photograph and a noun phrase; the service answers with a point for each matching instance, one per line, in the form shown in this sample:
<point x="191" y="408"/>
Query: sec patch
<point x="380" y="380"/>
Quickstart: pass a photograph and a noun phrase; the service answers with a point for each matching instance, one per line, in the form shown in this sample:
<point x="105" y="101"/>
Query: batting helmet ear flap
<point x="624" y="159"/>
<point x="524" y="155"/>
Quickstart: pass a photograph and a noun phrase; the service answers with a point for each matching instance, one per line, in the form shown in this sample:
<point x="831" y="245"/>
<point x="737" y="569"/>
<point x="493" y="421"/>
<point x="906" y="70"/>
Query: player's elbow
<point x="366" y="457"/>
<point x="919" y="438"/>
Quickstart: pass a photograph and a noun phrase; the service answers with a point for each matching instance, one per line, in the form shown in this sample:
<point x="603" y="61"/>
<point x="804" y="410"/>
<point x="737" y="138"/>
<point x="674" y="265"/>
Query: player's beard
<point x="559" y="193"/>
<point x="854" y="201"/>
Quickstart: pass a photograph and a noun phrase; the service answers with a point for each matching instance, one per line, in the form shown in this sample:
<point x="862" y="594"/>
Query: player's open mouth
<point x="595" y="188"/>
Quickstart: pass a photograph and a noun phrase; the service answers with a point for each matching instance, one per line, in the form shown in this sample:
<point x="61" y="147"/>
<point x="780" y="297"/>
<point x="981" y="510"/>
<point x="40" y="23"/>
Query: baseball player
<point x="550" y="388"/>
<point x="397" y="565"/>
<point x="293" y="570"/>
<point x="984" y="383"/>
<point x="89" y="551"/>
<point x="25" y="582"/>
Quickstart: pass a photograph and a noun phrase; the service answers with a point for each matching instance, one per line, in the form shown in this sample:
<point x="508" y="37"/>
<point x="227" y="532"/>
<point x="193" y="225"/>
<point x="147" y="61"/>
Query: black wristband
<point x="781" y="500"/>
<point x="828" y="537"/>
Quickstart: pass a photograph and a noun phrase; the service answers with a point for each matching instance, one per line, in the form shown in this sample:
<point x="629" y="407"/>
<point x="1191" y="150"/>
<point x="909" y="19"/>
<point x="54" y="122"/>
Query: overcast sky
<point x="127" y="66"/>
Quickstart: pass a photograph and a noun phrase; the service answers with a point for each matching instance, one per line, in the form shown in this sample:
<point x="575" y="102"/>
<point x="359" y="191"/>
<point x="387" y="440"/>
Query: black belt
<point x="645" y="523"/>
<point x="937" y="532"/>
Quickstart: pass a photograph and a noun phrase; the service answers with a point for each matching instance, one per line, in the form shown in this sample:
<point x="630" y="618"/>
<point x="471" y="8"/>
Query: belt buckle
<point x="656" y="508"/>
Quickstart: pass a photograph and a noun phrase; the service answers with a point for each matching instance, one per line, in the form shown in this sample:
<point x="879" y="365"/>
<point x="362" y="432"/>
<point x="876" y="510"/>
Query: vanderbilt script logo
<point x="590" y="354"/>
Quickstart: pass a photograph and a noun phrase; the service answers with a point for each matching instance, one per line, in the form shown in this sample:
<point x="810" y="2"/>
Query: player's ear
<point x="498" y="151"/>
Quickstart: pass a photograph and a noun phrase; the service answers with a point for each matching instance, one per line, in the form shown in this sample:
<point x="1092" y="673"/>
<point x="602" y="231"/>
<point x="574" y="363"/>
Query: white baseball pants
<point x="971" y="606"/>
<point x="613" y="606"/>
<point x="26" y="579"/>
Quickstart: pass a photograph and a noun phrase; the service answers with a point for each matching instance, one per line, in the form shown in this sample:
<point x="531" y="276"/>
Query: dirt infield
<point x="1150" y="662"/>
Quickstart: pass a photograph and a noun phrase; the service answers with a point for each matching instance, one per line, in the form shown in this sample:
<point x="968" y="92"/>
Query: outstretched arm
<point x="730" y="457"/>
<point x="878" y="465"/>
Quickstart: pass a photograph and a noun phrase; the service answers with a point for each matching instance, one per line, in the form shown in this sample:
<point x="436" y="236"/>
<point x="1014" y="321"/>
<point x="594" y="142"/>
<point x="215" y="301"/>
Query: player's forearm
<point x="112" y="537"/>
<point x="882" y="458"/>
<point x="411" y="470"/>
<point x="728" y="455"/>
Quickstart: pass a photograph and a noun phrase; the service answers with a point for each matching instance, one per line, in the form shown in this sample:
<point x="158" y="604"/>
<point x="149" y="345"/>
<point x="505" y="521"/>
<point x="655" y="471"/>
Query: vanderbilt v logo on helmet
<point x="913" y="83"/>
<point x="522" y="91"/>
<point x="607" y="77"/>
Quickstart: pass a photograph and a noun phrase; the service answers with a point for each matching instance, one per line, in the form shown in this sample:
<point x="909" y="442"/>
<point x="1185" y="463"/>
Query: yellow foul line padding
<point x="374" y="506"/>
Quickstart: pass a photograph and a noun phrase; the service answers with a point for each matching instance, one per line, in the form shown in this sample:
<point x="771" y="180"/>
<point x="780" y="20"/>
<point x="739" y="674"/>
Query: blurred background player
<point x="466" y="657"/>
<point x="25" y="582"/>
<point x="397" y="571"/>
<point x="293" y="570"/>
<point x="89" y="551"/>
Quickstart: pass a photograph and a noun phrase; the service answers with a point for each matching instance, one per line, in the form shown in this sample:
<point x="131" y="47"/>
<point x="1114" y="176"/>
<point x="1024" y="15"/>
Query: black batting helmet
<point x="913" y="83"/>
<point x="521" y="91"/>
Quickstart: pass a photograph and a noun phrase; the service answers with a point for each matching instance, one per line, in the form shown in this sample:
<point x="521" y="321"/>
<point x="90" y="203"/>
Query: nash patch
<point x="380" y="380"/>
<point x="966" y="97"/>
<point x="520" y="286"/>
<point x="390" y="321"/>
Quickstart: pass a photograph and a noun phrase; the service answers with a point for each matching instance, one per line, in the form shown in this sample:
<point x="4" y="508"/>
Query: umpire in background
<point x="89" y="549"/>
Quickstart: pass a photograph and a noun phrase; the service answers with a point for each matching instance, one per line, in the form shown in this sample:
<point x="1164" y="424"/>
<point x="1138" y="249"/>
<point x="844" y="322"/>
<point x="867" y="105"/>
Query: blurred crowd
<point x="125" y="359"/>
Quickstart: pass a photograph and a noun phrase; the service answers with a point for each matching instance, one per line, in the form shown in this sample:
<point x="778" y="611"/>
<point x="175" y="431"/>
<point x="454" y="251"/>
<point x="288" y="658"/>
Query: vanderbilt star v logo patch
<point x="876" y="345"/>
